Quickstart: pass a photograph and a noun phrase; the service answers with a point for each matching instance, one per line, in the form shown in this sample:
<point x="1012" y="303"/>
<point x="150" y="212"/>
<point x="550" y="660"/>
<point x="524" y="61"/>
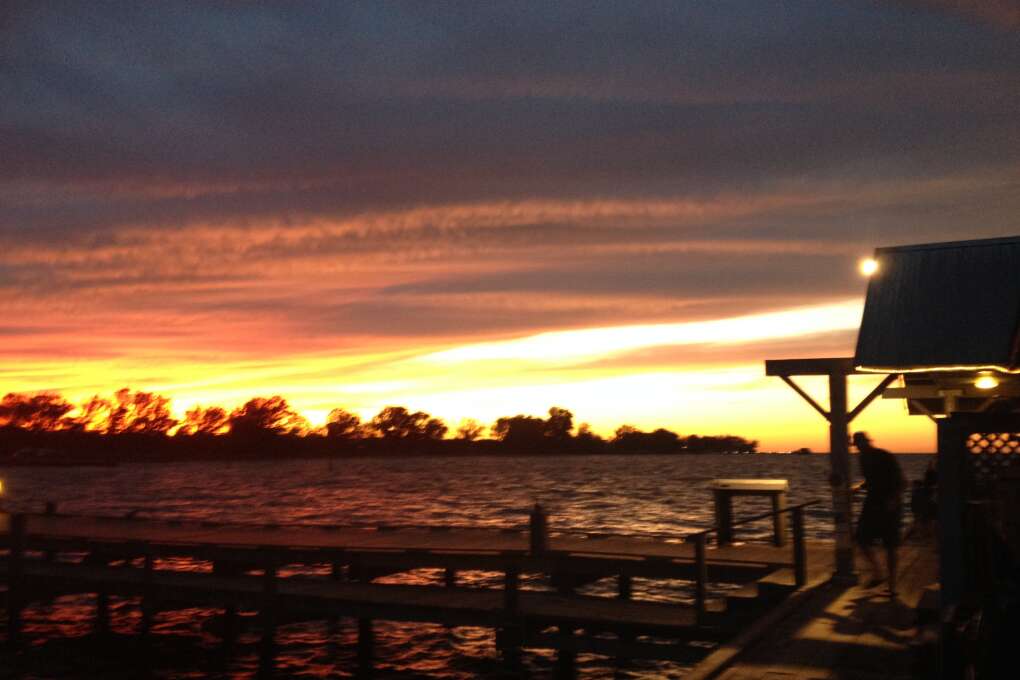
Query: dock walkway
<point x="237" y="567"/>
<point x="831" y="632"/>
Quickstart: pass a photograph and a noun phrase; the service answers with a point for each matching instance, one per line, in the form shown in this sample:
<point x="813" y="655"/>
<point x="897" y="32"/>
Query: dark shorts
<point x="877" y="523"/>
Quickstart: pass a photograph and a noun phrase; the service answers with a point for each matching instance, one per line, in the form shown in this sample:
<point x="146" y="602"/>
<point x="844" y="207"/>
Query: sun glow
<point x="868" y="266"/>
<point x="599" y="342"/>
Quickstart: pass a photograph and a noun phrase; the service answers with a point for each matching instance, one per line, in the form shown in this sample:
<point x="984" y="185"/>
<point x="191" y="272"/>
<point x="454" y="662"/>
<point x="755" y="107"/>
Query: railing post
<point x="267" y="652"/>
<point x="539" y="525"/>
<point x="700" y="576"/>
<point x="50" y="510"/>
<point x="15" y="577"/>
<point x="799" y="550"/>
<point x="624" y="586"/>
<point x="511" y="581"/>
<point x="148" y="605"/>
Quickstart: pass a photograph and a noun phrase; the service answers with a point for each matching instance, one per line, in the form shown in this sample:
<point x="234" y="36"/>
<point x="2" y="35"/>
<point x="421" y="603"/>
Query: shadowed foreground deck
<point x="830" y="632"/>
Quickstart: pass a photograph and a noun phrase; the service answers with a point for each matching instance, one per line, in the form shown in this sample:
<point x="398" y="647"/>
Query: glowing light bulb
<point x="986" y="382"/>
<point x="868" y="266"/>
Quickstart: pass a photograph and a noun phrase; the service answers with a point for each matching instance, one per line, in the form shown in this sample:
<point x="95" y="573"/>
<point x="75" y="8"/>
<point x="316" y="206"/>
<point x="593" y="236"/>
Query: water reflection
<point x="611" y="494"/>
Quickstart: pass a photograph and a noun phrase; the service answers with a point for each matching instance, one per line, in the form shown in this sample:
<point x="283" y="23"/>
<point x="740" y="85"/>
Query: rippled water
<point x="663" y="495"/>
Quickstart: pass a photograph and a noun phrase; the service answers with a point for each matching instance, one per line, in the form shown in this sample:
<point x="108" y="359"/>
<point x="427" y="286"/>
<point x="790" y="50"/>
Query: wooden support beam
<point x="879" y="389"/>
<point x="788" y="367"/>
<point x="839" y="478"/>
<point x="804" y="395"/>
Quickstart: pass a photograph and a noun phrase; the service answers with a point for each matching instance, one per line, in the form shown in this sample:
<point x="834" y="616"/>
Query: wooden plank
<point x="790" y="367"/>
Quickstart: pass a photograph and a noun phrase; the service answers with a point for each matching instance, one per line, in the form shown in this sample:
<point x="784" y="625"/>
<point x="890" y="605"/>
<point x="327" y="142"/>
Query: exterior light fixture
<point x="986" y="381"/>
<point x="868" y="266"/>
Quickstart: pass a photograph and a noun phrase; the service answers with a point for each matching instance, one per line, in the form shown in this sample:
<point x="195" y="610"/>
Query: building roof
<point x="943" y="306"/>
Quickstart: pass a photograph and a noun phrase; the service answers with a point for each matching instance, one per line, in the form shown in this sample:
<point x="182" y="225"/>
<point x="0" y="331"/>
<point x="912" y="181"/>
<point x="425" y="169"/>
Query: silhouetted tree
<point x="266" y="416"/>
<point x="559" y="423"/>
<point x="396" y="422"/>
<point x="341" y="424"/>
<point x="140" y="412"/>
<point x="93" y="415"/>
<point x="520" y="430"/>
<point x="588" y="440"/>
<point x="40" y="412"/>
<point x="530" y="430"/>
<point x="470" y="430"/>
<point x="207" y="421"/>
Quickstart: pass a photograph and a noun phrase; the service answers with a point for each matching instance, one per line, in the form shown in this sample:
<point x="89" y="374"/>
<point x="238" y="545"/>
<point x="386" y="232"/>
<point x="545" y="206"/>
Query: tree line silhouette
<point x="139" y="425"/>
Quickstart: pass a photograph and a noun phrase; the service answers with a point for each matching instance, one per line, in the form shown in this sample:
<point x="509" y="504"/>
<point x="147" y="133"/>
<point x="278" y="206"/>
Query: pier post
<point x="511" y="582"/>
<point x="103" y="612"/>
<point x="366" y="641"/>
<point x="700" y="576"/>
<point x="839" y="460"/>
<point x="539" y="530"/>
<point x="16" y="596"/>
<point x="148" y="604"/>
<point x="450" y="577"/>
<point x="624" y="586"/>
<point x="779" y="519"/>
<point x="566" y="655"/>
<point x="49" y="510"/>
<point x="267" y="650"/>
<point x="799" y="552"/>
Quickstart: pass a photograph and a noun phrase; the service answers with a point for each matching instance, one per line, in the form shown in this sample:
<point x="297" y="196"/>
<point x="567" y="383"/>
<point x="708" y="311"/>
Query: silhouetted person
<point x="880" y="516"/>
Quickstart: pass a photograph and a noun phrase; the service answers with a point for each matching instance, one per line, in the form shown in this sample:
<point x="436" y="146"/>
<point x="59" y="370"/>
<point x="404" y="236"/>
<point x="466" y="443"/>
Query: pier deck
<point x="847" y="632"/>
<point x="248" y="568"/>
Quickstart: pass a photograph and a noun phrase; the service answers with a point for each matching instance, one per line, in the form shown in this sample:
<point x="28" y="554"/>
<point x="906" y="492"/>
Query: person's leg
<point x="876" y="569"/>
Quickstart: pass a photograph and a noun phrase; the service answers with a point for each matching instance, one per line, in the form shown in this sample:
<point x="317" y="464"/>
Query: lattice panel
<point x="991" y="453"/>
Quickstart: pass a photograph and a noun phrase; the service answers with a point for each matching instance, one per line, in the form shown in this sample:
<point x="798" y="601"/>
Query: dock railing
<point x="19" y="542"/>
<point x="700" y="541"/>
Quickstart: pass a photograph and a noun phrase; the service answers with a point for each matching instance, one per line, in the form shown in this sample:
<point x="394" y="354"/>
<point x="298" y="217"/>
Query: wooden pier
<point x="237" y="567"/>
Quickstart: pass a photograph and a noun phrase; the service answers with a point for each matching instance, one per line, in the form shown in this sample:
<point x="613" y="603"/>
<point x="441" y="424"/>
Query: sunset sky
<point x="484" y="209"/>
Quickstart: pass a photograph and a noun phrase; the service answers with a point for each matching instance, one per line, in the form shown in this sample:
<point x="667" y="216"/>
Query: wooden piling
<point x="624" y="586"/>
<point x="49" y="510"/>
<point x="511" y="583"/>
<point x="700" y="575"/>
<point x="566" y="655"/>
<point x="148" y="596"/>
<point x="366" y="643"/>
<point x="799" y="549"/>
<point x="103" y="612"/>
<point x="450" y="577"/>
<point x="268" y="610"/>
<point x="16" y="596"/>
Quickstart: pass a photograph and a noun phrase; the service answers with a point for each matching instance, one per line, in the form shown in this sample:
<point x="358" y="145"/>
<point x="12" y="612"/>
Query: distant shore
<point x="63" y="448"/>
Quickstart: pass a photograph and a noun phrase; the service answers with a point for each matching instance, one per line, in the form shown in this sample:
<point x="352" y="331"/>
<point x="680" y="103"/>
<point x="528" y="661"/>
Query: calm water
<point x="664" y="495"/>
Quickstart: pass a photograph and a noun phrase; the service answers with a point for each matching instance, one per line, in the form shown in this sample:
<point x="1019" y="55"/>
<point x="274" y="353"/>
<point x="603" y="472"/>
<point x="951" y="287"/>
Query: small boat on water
<point x="42" y="457"/>
<point x="802" y="451"/>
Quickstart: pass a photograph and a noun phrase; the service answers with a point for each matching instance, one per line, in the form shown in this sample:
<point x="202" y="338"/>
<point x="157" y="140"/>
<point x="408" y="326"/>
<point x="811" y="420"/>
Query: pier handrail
<point x="700" y="539"/>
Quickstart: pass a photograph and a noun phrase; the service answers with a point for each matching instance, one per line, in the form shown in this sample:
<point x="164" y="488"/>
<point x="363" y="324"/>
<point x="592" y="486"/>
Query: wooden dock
<point x="850" y="632"/>
<point x="236" y="567"/>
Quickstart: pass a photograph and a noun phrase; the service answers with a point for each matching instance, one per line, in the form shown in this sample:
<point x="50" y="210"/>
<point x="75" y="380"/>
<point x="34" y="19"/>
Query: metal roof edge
<point x="945" y="245"/>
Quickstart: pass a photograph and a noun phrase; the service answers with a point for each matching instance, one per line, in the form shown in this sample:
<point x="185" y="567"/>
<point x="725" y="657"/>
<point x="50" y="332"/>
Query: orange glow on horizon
<point x="588" y="371"/>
